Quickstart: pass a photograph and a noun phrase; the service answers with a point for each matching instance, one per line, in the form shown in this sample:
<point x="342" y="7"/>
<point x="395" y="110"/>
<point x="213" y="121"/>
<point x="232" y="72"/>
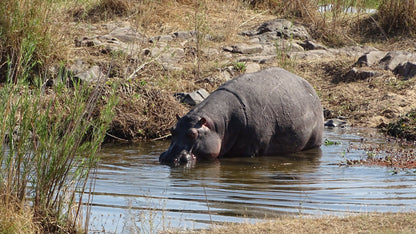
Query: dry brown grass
<point x="14" y="220"/>
<point x="398" y="16"/>
<point x="144" y="112"/>
<point x="367" y="223"/>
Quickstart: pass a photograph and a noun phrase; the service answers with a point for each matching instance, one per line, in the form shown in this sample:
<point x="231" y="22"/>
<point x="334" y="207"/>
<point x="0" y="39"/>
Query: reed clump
<point x="45" y="156"/>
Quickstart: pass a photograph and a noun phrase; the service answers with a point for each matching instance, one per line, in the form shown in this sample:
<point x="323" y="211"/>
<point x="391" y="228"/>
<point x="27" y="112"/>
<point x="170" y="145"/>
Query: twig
<point x="117" y="138"/>
<point x="251" y="18"/>
<point x="379" y="27"/>
<point x="162" y="137"/>
<point x="141" y="66"/>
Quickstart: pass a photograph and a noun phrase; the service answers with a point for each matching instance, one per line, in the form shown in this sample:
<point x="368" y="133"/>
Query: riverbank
<point x="368" y="223"/>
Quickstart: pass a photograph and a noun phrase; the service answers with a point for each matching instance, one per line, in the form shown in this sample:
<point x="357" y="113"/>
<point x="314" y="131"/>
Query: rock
<point x="392" y="59"/>
<point x="353" y="51"/>
<point x="327" y="113"/>
<point x="165" y="54"/>
<point x="210" y="51"/>
<point x="183" y="35"/>
<point x="163" y="38"/>
<point x="257" y="59"/>
<point x="370" y="58"/>
<point x="252" y="67"/>
<point x="192" y="98"/>
<point x="335" y="123"/>
<point x="243" y="48"/>
<point x="282" y="28"/>
<point x="407" y="69"/>
<point x="91" y="75"/>
<point x="312" y="55"/>
<point x="227" y="74"/>
<point x="287" y="46"/>
<point x="358" y="74"/>
<point x="127" y="35"/>
<point x="87" y="42"/>
<point x="311" y="45"/>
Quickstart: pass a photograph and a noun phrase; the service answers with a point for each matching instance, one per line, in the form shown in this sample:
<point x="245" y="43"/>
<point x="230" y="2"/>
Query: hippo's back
<point x="283" y="111"/>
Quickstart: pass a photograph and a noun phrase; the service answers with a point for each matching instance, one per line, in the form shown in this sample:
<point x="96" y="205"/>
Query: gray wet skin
<point x="269" y="112"/>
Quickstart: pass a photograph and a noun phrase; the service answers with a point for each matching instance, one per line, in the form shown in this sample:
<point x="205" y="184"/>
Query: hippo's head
<point x="193" y="138"/>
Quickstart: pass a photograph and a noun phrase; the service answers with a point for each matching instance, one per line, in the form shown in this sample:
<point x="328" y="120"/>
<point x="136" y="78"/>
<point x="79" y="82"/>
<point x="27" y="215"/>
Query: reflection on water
<point x="133" y="192"/>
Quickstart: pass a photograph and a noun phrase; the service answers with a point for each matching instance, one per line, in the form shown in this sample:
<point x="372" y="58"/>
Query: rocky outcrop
<point x="275" y="39"/>
<point x="373" y="63"/>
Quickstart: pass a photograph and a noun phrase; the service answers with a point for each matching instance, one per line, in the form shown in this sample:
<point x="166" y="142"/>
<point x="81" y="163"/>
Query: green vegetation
<point x="329" y="142"/>
<point x="48" y="145"/>
<point x="404" y="127"/>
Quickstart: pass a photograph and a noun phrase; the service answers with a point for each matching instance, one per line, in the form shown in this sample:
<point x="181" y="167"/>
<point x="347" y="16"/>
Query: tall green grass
<point x="48" y="145"/>
<point x="26" y="38"/>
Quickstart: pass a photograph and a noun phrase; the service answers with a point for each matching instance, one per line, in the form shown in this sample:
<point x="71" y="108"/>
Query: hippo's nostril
<point x="183" y="159"/>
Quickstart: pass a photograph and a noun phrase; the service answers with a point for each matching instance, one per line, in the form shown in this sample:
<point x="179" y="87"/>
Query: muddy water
<point x="134" y="193"/>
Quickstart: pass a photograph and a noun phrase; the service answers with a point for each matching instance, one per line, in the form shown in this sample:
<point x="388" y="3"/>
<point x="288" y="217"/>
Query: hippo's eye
<point x="192" y="133"/>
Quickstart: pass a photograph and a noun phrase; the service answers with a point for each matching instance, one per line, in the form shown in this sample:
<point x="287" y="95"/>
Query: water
<point x="349" y="10"/>
<point x="133" y="192"/>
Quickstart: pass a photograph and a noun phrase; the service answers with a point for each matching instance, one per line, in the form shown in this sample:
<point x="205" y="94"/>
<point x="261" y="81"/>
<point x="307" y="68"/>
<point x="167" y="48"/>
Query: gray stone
<point x="287" y="46"/>
<point x="210" y="51"/>
<point x="311" y="45"/>
<point x="394" y="58"/>
<point x="91" y="75"/>
<point x="172" y="55"/>
<point x="370" y="58"/>
<point x="353" y="51"/>
<point x="257" y="59"/>
<point x="358" y="74"/>
<point x="335" y="123"/>
<point x="312" y="55"/>
<point x="193" y="98"/>
<point x="247" y="48"/>
<point x="183" y="35"/>
<point x="407" y="69"/>
<point x="252" y="67"/>
<point x="162" y="38"/>
<point x="282" y="28"/>
<point x="127" y="34"/>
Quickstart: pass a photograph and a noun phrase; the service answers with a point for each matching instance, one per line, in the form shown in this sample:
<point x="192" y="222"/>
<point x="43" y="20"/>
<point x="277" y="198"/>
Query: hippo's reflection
<point x="249" y="170"/>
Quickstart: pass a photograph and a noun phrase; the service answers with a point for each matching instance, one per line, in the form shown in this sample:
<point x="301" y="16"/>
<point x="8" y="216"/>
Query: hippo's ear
<point x="205" y="122"/>
<point x="178" y="116"/>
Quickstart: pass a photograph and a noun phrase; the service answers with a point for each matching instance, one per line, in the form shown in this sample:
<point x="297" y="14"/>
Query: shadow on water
<point x="133" y="191"/>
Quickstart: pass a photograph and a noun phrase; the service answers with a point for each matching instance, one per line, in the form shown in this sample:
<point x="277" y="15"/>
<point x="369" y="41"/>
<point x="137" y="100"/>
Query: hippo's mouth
<point x="185" y="157"/>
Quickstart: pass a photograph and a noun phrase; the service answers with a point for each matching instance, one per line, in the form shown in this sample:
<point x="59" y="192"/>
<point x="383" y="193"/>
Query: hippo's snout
<point x="183" y="158"/>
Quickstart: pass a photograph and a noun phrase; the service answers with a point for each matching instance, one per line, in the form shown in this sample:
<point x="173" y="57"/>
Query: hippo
<point x="270" y="112"/>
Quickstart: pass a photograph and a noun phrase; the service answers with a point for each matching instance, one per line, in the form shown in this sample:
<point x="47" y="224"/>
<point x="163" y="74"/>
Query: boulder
<point x="394" y="58"/>
<point x="407" y="69"/>
<point x="370" y="58"/>
<point x="192" y="98"/>
<point x="282" y="28"/>
<point x="358" y="74"/>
